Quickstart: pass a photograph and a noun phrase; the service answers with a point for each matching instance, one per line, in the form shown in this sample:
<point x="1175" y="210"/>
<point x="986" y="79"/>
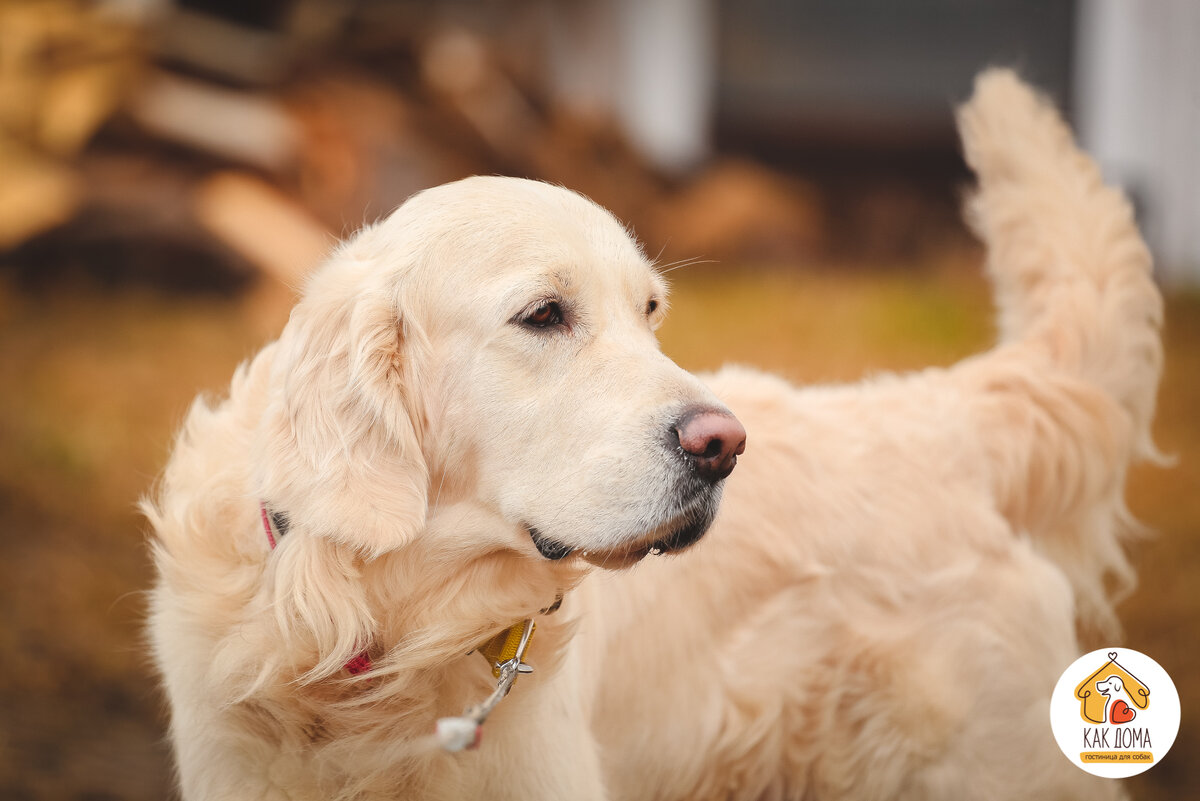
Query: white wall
<point x="650" y="63"/>
<point x="1138" y="101"/>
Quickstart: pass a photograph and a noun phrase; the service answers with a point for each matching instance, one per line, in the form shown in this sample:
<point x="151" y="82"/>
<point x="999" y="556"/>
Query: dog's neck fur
<point x="312" y="604"/>
<point x="423" y="665"/>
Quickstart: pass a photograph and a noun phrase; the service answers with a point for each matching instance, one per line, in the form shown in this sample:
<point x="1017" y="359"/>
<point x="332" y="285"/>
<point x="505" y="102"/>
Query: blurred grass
<point x="96" y="381"/>
<point x="818" y="326"/>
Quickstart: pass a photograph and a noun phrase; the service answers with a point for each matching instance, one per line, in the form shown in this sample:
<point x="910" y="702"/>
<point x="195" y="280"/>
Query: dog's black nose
<point x="712" y="438"/>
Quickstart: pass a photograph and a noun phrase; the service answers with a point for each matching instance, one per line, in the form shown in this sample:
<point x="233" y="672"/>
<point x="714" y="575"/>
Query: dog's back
<point x="896" y="577"/>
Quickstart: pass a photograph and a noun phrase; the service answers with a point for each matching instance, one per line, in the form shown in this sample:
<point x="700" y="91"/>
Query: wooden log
<point x="262" y="224"/>
<point x="36" y="193"/>
<point x="246" y="127"/>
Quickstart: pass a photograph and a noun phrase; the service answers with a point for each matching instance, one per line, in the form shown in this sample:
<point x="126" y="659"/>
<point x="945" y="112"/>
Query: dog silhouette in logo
<point x="1111" y="694"/>
<point x="1117" y="708"/>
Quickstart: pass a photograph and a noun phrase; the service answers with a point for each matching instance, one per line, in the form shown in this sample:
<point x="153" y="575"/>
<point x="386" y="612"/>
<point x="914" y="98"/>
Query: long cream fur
<point x="881" y="609"/>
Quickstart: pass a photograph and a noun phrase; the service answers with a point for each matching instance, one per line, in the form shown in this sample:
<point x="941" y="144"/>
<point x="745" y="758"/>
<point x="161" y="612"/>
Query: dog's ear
<point x="340" y="449"/>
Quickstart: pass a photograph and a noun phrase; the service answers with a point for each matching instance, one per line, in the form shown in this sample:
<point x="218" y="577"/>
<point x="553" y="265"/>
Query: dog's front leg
<point x="216" y="762"/>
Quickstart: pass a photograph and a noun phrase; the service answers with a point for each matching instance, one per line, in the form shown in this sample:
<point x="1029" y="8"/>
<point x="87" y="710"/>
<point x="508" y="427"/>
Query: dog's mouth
<point x="687" y="531"/>
<point x="551" y="549"/>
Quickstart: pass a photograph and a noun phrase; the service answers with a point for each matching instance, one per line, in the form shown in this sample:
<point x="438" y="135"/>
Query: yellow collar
<point x="513" y="641"/>
<point x="508" y="645"/>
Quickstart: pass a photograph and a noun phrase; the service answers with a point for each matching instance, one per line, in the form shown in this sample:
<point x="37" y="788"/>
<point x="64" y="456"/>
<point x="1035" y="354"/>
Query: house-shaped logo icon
<point x="1105" y="724"/>
<point x="1111" y="694"/>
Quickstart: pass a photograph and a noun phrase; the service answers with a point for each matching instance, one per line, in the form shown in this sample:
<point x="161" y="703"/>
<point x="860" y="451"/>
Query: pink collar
<point x="275" y="526"/>
<point x="272" y="527"/>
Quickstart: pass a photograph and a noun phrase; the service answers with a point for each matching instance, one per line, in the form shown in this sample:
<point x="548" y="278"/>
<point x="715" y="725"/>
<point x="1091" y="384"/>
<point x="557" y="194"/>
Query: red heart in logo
<point x="1120" y="712"/>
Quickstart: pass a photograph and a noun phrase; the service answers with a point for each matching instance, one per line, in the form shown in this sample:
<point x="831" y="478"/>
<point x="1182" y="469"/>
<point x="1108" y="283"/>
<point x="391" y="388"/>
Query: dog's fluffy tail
<point x="1073" y="383"/>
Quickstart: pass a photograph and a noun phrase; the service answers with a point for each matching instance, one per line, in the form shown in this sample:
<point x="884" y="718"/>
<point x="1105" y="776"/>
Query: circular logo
<point x="1115" y="712"/>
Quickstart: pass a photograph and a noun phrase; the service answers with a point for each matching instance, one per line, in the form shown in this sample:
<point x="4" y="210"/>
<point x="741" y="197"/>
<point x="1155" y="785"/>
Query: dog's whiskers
<point x="679" y="265"/>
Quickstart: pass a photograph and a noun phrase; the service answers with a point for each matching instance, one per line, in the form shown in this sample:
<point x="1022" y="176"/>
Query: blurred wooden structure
<point x="682" y="116"/>
<point x="62" y="73"/>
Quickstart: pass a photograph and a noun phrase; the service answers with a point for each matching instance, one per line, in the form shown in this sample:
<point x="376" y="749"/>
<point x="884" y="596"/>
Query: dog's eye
<point x="652" y="306"/>
<point x="545" y="315"/>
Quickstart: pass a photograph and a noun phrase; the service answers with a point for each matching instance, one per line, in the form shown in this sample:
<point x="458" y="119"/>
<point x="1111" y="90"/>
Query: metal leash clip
<point x="459" y="733"/>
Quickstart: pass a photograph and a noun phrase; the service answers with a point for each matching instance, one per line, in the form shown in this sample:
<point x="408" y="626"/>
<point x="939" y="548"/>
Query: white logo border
<point x="1161" y="716"/>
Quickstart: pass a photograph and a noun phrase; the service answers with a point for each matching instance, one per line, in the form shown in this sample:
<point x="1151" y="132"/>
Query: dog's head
<point x="493" y="342"/>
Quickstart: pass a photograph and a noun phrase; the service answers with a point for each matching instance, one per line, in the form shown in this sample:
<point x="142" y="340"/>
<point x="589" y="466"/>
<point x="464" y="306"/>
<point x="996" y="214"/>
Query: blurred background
<point x="171" y="169"/>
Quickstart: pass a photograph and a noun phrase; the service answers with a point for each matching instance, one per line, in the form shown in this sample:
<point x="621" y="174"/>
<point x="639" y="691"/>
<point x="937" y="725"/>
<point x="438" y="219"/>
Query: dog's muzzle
<point x="705" y="442"/>
<point x="694" y="525"/>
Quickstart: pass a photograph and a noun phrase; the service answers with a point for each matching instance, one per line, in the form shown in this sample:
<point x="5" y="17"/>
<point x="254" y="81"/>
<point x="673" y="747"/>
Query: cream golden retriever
<point x="467" y="423"/>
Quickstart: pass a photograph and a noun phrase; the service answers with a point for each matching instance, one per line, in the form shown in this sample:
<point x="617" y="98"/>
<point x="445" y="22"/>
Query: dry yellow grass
<point x="94" y="384"/>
